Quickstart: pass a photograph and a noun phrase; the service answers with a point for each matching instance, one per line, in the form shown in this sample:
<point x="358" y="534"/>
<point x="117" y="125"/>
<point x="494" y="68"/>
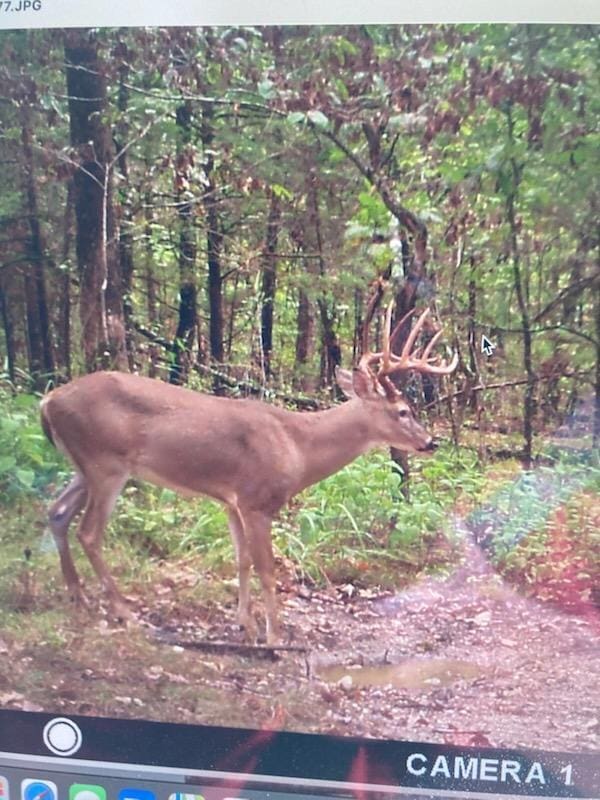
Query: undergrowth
<point x="355" y="526"/>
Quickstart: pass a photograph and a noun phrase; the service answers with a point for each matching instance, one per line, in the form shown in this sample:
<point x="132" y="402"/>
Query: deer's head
<point x="388" y="413"/>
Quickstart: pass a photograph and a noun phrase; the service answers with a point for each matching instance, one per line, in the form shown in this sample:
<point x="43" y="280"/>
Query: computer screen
<point x="300" y="404"/>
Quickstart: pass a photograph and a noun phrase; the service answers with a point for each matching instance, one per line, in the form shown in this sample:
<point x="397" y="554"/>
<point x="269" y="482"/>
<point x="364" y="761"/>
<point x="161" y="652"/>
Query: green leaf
<point x="280" y="191"/>
<point x="265" y="89"/>
<point x="7" y="463"/>
<point x="25" y="477"/>
<point x="294" y="117"/>
<point x="318" y="118"/>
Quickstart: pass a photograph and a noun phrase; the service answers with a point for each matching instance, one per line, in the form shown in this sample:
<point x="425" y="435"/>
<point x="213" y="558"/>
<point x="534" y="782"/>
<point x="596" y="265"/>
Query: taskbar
<point x="226" y="763"/>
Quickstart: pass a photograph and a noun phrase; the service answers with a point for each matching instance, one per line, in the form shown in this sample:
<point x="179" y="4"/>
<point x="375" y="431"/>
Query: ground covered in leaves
<point x="462" y="659"/>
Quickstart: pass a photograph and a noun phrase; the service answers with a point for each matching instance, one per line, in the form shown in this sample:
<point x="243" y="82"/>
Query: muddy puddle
<point x="413" y="673"/>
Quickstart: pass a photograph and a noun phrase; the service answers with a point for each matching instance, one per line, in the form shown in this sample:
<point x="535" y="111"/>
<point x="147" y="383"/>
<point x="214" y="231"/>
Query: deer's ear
<point x="362" y="383"/>
<point x="345" y="381"/>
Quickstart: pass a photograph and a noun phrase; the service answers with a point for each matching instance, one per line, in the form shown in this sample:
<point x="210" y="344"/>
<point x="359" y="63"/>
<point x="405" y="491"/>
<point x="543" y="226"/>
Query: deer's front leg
<point x="257" y="526"/>
<point x="244" y="562"/>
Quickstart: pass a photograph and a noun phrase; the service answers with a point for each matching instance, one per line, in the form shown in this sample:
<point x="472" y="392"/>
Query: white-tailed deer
<point x="250" y="456"/>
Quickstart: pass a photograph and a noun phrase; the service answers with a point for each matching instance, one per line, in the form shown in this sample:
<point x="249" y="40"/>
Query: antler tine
<point x="412" y="338"/>
<point x="431" y="344"/>
<point x="398" y="326"/>
<point x="439" y="369"/>
<point x="387" y="346"/>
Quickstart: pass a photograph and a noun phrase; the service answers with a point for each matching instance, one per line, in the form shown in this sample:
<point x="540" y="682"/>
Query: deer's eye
<point x="403" y="412"/>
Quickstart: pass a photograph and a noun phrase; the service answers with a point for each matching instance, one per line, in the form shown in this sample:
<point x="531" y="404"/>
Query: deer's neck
<point x="329" y="440"/>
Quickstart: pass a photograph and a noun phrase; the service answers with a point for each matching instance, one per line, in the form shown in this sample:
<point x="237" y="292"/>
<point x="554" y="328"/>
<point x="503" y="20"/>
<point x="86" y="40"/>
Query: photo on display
<point x="300" y="379"/>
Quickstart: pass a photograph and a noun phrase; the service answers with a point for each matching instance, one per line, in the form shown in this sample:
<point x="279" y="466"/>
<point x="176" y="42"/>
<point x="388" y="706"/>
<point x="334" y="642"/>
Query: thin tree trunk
<point x="42" y="366"/>
<point x="186" y="326"/>
<point x="331" y="354"/>
<point x="596" y="438"/>
<point x="304" y="335"/>
<point x="214" y="240"/>
<point x="9" y="334"/>
<point x="151" y="296"/>
<point x="63" y="324"/>
<point x="414" y="269"/>
<point x="305" y="318"/>
<point x="127" y="222"/>
<point x="33" y="328"/>
<point x="472" y="397"/>
<point x="232" y="312"/>
<point x="268" y="284"/>
<point x="529" y="397"/>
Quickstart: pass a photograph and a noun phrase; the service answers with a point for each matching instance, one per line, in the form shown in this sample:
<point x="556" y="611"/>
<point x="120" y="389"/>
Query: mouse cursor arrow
<point x="487" y="347"/>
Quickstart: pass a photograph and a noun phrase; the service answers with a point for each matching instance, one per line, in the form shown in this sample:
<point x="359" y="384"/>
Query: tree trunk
<point x="127" y="223"/>
<point x="304" y="327"/>
<point x="214" y="240"/>
<point x="305" y="318"/>
<point x="331" y="354"/>
<point x="268" y="284"/>
<point x="186" y="326"/>
<point x="232" y="313"/>
<point x="35" y="355"/>
<point x="9" y="333"/>
<point x="150" y="280"/>
<point x="63" y="311"/>
<point x="529" y="397"/>
<point x="38" y="321"/>
<point x="596" y="438"/>
<point x="404" y="301"/>
<point x="101" y="290"/>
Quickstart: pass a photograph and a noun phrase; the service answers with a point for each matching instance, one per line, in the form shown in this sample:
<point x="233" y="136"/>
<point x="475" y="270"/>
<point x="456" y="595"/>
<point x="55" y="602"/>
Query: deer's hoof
<point x="78" y="599"/>
<point x="120" y="611"/>
<point x="273" y="638"/>
<point x="248" y="624"/>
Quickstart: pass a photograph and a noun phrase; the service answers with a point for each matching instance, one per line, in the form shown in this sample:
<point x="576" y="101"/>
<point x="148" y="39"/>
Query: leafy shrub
<point x="28" y="462"/>
<point x="355" y="525"/>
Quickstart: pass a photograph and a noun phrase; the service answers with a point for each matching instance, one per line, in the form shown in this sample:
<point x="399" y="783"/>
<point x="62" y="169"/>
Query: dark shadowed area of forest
<point x="242" y="212"/>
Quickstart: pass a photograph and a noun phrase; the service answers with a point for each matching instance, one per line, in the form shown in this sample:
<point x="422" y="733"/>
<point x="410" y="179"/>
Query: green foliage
<point x="358" y="525"/>
<point x="28" y="462"/>
<point x="160" y="522"/>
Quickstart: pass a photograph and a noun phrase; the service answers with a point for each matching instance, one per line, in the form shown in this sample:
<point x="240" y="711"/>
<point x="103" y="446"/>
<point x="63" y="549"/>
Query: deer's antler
<point x="409" y="358"/>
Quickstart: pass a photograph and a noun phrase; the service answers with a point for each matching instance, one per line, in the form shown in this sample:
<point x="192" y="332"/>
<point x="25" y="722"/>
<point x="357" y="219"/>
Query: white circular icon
<point x="62" y="736"/>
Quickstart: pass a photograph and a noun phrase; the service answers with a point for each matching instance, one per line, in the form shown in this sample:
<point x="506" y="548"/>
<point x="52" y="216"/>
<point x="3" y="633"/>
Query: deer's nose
<point x="429" y="447"/>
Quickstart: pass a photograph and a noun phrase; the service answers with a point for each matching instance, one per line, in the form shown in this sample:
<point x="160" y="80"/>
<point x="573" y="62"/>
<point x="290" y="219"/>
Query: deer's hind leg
<point x="101" y="498"/>
<point x="60" y="515"/>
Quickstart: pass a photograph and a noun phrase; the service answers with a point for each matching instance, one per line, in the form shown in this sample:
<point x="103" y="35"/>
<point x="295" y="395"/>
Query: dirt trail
<point x="477" y="664"/>
<point x="462" y="659"/>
